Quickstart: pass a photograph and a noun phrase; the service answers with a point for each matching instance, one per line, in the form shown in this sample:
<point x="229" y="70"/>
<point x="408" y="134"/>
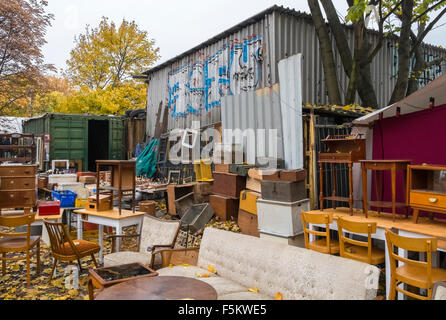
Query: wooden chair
<point x="65" y="249"/>
<point x="19" y="241"/>
<point x="359" y="250"/>
<point x="419" y="274"/>
<point x="326" y="245"/>
<point x="156" y="235"/>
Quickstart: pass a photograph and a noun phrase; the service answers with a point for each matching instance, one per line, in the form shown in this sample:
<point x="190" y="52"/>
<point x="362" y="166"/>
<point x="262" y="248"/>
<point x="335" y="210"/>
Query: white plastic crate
<point x="281" y="218"/>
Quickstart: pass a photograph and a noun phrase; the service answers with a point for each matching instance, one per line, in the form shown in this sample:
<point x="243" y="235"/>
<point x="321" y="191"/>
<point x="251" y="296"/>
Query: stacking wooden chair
<point x="65" y="249"/>
<point x="326" y="245"/>
<point x="359" y="250"/>
<point x="19" y="241"/>
<point x="418" y="274"/>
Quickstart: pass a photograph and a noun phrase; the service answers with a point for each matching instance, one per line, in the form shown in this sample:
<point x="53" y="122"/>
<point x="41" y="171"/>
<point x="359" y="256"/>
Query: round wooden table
<point x="160" y="288"/>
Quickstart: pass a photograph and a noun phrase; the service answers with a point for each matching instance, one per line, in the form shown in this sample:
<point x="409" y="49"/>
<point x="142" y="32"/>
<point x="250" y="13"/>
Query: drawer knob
<point x="433" y="200"/>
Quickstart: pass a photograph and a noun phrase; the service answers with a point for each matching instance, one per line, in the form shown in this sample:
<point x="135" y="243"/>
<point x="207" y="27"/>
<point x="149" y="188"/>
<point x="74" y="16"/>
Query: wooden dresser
<point x="426" y="189"/>
<point x="18" y="186"/>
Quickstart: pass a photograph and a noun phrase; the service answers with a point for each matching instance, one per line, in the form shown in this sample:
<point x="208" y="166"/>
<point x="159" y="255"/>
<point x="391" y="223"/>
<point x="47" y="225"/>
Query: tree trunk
<point x="404" y="48"/>
<point x="326" y="51"/>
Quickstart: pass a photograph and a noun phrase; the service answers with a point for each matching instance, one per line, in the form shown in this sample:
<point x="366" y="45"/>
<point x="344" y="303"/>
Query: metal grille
<point x="322" y="130"/>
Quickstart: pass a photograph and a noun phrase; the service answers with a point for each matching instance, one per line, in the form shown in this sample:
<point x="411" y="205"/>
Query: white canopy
<point x="417" y="101"/>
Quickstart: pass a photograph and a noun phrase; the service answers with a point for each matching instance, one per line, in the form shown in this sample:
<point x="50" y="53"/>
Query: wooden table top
<point x="38" y="217"/>
<point x="385" y="161"/>
<point x="433" y="228"/>
<point x="111" y="214"/>
<point x="160" y="288"/>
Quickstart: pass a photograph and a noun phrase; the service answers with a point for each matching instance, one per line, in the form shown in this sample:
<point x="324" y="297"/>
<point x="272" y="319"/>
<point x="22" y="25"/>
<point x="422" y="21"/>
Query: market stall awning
<point x="417" y="101"/>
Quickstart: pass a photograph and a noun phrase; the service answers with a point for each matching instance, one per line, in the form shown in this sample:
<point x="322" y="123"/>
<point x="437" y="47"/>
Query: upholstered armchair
<point x="155" y="236"/>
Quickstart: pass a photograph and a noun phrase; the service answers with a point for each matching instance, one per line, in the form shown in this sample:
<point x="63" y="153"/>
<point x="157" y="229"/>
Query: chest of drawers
<point x="18" y="186"/>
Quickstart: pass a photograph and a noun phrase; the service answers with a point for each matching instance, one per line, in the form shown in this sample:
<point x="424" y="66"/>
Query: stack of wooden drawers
<point x="226" y="189"/>
<point x="18" y="187"/>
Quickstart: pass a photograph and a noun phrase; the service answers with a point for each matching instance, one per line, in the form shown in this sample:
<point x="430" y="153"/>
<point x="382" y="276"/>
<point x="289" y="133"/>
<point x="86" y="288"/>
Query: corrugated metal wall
<point x="284" y="33"/>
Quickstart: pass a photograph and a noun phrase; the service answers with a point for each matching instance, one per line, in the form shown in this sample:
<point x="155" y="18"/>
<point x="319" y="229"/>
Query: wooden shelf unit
<point x="123" y="179"/>
<point x="426" y="190"/>
<point x="18" y="153"/>
<point x="342" y="149"/>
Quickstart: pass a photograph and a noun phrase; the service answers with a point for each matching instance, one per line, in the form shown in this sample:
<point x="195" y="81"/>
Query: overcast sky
<point x="175" y="25"/>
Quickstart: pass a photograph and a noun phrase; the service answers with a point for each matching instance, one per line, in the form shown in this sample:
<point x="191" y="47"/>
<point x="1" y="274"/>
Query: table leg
<point x="68" y="211"/>
<point x="118" y="239"/>
<point x="321" y="186"/>
<point x="333" y="182"/>
<point x="393" y="171"/>
<point x="416" y="212"/>
<point x="350" y="184"/>
<point x="90" y="289"/>
<point x="388" y="270"/>
<point x="101" y="244"/>
<point x="364" y="190"/>
<point x="80" y="226"/>
<point x="378" y="187"/>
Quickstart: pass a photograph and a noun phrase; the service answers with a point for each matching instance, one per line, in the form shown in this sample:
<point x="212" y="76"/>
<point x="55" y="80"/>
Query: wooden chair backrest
<point x="426" y="245"/>
<point x="59" y="238"/>
<point x="367" y="228"/>
<point x="17" y="221"/>
<point x="317" y="218"/>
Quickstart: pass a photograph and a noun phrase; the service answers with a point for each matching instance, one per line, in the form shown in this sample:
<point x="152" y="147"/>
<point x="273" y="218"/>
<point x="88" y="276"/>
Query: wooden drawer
<point x="225" y="208"/>
<point x="426" y="199"/>
<point x="13" y="183"/>
<point x="17" y="199"/>
<point x="12" y="171"/>
<point x="248" y="223"/>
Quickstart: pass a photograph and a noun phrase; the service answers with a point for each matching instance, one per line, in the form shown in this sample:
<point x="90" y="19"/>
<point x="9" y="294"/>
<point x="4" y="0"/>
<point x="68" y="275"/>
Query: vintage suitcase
<point x="240" y="169"/>
<point x="87" y="179"/>
<point x="253" y="185"/>
<point x="228" y="184"/>
<point x="283" y="191"/>
<point x="148" y="207"/>
<point x="49" y="208"/>
<point x="105" y="203"/>
<point x="85" y="174"/>
<point x="222" y="168"/>
<point x="202" y="191"/>
<point x="248" y="201"/>
<point x="248" y="223"/>
<point x="284" y="175"/>
<point x="225" y="208"/>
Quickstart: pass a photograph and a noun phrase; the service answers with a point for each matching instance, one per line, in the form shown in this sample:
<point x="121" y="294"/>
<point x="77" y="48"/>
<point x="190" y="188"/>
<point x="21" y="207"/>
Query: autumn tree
<point x="406" y="21"/>
<point x="109" y="55"/>
<point x="23" y="25"/>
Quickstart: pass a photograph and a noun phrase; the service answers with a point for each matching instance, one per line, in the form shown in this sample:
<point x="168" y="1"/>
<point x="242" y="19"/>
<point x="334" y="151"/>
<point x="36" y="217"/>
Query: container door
<point x="69" y="140"/>
<point x="117" y="138"/>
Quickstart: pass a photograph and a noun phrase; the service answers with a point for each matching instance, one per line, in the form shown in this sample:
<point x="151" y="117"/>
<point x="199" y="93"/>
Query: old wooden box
<point x="225" y="208"/>
<point x="283" y="191"/>
<point x="248" y="223"/>
<point x="202" y="191"/>
<point x="105" y="203"/>
<point x="18" y="187"/>
<point x="343" y="148"/>
<point x="284" y="175"/>
<point x="281" y="218"/>
<point x="248" y="201"/>
<point x="175" y="192"/>
<point x="222" y="168"/>
<point x="87" y="179"/>
<point x="240" y="169"/>
<point x="148" y="207"/>
<point x="228" y="184"/>
<point x="49" y="208"/>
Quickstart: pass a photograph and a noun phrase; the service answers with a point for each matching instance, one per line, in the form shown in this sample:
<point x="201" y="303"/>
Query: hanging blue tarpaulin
<point x="146" y="161"/>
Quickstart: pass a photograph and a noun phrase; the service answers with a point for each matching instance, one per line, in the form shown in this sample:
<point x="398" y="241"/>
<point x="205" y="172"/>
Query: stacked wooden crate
<point x="283" y="197"/>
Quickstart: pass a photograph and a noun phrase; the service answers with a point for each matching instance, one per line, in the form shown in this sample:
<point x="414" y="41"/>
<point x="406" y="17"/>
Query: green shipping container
<point x="81" y="138"/>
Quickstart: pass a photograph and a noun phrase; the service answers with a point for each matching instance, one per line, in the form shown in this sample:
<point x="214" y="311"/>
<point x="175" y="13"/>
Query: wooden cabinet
<point x="426" y="189"/>
<point x="18" y="186"/>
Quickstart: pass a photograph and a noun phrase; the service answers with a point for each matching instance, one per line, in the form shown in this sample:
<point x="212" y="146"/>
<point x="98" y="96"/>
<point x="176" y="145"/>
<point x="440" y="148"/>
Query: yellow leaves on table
<point x="278" y="296"/>
<point x="211" y="269"/>
<point x="198" y="275"/>
<point x="253" y="290"/>
<point x="206" y="276"/>
<point x="170" y="266"/>
<point x="186" y="266"/>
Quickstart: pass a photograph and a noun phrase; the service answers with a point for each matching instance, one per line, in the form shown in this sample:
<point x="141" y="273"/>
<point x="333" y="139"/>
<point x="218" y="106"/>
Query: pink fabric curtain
<point x="418" y="136"/>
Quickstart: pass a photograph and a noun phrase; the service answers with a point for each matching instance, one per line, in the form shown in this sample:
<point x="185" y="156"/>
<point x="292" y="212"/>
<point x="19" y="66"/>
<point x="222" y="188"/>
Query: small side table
<point x="105" y="277"/>
<point x="383" y="165"/>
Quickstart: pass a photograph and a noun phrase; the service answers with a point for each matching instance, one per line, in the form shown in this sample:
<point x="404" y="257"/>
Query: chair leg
<point x="392" y="291"/>
<point x="94" y="260"/>
<point x="38" y="258"/>
<point x="80" y="266"/>
<point x="3" y="264"/>
<point x="52" y="269"/>
<point x="28" y="272"/>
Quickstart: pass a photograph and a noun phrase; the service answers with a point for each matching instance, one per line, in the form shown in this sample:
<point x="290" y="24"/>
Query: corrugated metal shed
<point x="194" y="83"/>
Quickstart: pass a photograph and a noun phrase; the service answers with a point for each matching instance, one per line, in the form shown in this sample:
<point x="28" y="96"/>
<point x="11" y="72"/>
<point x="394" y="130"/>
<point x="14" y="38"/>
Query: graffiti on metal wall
<point x="233" y="69"/>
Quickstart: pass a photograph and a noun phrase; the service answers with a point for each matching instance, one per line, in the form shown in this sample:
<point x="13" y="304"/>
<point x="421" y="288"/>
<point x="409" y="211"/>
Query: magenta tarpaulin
<point x="418" y="136"/>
